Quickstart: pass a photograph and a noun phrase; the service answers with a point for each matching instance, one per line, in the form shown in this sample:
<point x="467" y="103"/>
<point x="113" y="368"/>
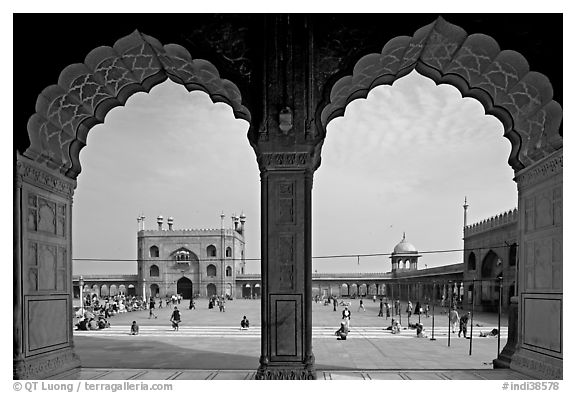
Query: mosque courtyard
<point x="211" y="340"/>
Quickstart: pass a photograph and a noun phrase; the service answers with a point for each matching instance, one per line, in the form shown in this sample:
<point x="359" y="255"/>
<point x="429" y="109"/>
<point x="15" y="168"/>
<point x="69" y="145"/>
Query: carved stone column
<point x="505" y="357"/>
<point x="539" y="351"/>
<point x="42" y="308"/>
<point x="286" y="181"/>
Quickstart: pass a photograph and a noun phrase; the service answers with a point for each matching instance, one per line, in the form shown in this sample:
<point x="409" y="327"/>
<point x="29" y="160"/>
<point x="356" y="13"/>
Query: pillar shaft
<point x="286" y="350"/>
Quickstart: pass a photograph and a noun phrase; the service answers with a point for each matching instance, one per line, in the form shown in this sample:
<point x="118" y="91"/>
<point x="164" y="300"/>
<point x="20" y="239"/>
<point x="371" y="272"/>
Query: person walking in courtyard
<point x="387" y="305"/>
<point x="361" y="306"/>
<point x="346" y="317"/>
<point x="464" y="324"/>
<point x="335" y="301"/>
<point x="381" y="310"/>
<point x="151" y="308"/>
<point x="453" y="318"/>
<point x="409" y="309"/>
<point x="175" y="318"/>
<point x="134" y="329"/>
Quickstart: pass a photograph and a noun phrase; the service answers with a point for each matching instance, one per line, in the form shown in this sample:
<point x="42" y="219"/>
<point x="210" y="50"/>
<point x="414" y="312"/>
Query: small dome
<point x="404" y="247"/>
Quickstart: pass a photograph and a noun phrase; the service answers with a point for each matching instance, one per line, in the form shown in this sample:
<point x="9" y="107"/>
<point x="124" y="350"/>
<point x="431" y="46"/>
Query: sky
<point x="409" y="153"/>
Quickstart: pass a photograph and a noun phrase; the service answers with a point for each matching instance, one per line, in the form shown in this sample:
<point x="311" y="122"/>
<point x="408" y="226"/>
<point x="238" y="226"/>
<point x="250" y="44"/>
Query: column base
<point x="286" y="370"/>
<point x="43" y="366"/>
<point x="537" y="365"/>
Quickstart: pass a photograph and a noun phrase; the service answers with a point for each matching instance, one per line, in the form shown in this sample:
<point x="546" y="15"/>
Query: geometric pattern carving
<point x="86" y="92"/>
<point x="500" y="79"/>
<point x="286" y="259"/>
<point x="46" y="216"/>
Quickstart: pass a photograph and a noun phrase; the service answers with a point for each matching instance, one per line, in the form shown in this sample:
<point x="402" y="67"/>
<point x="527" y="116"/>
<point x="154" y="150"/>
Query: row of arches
<point x="105" y="290"/>
<point x="185" y="287"/>
<point x="211" y="252"/>
<point x="491" y="260"/>
<point x="211" y="271"/>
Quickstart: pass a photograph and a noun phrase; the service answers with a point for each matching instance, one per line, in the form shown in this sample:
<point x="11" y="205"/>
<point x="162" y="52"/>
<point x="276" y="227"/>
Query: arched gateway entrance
<point x="184" y="287"/>
<point x="293" y="82"/>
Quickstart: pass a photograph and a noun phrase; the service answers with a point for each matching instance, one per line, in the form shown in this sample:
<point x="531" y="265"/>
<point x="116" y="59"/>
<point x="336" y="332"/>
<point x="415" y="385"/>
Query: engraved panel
<point x="61" y="282"/>
<point x="542" y="326"/>
<point x="557" y="205"/>
<point x="287" y="330"/>
<point x="557" y="263"/>
<point x="32" y="213"/>
<point x="543" y="211"/>
<point x="529" y="214"/>
<point x="46" y="216"/>
<point x="285" y="202"/>
<point x="286" y="258"/>
<point x="48" y="323"/>
<point x="32" y="271"/>
<point x="47" y="269"/>
<point x="529" y="266"/>
<point x="542" y="262"/>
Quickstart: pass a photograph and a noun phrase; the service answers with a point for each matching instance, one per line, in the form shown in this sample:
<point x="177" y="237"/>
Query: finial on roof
<point x="404" y="236"/>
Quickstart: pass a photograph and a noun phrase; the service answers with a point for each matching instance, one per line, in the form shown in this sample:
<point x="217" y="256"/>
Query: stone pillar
<point x="286" y="351"/>
<point x="42" y="267"/>
<point x="539" y="351"/>
<point x="504" y="358"/>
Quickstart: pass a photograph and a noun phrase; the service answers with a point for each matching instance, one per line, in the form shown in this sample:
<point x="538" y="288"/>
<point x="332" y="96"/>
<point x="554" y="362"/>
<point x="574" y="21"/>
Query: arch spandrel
<point x="500" y="79"/>
<point x="86" y="92"/>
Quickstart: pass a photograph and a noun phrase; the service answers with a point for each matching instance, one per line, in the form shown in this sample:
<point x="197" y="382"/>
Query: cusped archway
<point x="500" y="80"/>
<point x="87" y="91"/>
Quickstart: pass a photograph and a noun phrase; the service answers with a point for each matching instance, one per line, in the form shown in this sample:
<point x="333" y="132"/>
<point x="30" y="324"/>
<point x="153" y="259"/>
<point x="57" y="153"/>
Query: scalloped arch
<point x="86" y="92"/>
<point x="500" y="80"/>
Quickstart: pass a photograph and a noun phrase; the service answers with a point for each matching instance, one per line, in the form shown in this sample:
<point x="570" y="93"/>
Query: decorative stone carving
<point x="285" y="374"/>
<point x="43" y="179"/>
<point x="500" y="80"/>
<point x="108" y="77"/>
<point x="542" y="170"/>
<point x="284" y="160"/>
<point x="45" y="365"/>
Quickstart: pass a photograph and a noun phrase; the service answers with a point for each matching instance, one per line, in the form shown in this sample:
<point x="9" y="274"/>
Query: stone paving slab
<point x="332" y="375"/>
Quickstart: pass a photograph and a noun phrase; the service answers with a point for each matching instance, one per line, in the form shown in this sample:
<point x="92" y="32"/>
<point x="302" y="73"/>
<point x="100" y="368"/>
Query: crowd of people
<point x="393" y="309"/>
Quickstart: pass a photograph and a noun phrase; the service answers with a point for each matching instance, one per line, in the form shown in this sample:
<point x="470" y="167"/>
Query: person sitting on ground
<point x="93" y="324"/>
<point x="420" y="332"/>
<point x="342" y="333"/>
<point x="82" y="324"/>
<point x="492" y="333"/>
<point x="134" y="329"/>
<point x="395" y="327"/>
<point x="244" y="323"/>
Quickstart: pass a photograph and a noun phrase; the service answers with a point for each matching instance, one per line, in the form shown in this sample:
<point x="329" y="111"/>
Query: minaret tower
<point x="465" y="214"/>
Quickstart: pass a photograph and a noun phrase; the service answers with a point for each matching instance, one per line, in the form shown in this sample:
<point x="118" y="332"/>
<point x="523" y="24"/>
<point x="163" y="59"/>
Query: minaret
<point x="465" y="211"/>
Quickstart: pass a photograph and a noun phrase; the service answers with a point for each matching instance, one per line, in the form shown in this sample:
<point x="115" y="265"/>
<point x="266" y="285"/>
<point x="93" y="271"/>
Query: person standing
<point x="175" y="318"/>
<point x="387" y="305"/>
<point x="453" y="318"/>
<point x="464" y="324"/>
<point x="151" y="308"/>
<point x="346" y="317"/>
<point x="381" y="311"/>
<point x="361" y="306"/>
<point x="335" y="301"/>
<point x="192" y="305"/>
<point x="409" y="309"/>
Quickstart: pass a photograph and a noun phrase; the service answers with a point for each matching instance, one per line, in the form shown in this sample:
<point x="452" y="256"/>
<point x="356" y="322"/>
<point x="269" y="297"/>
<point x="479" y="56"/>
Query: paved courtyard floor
<point x="210" y="345"/>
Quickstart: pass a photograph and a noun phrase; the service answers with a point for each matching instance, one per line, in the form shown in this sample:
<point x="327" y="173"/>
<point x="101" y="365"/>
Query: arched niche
<point x="86" y="92"/>
<point x="500" y="80"/>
